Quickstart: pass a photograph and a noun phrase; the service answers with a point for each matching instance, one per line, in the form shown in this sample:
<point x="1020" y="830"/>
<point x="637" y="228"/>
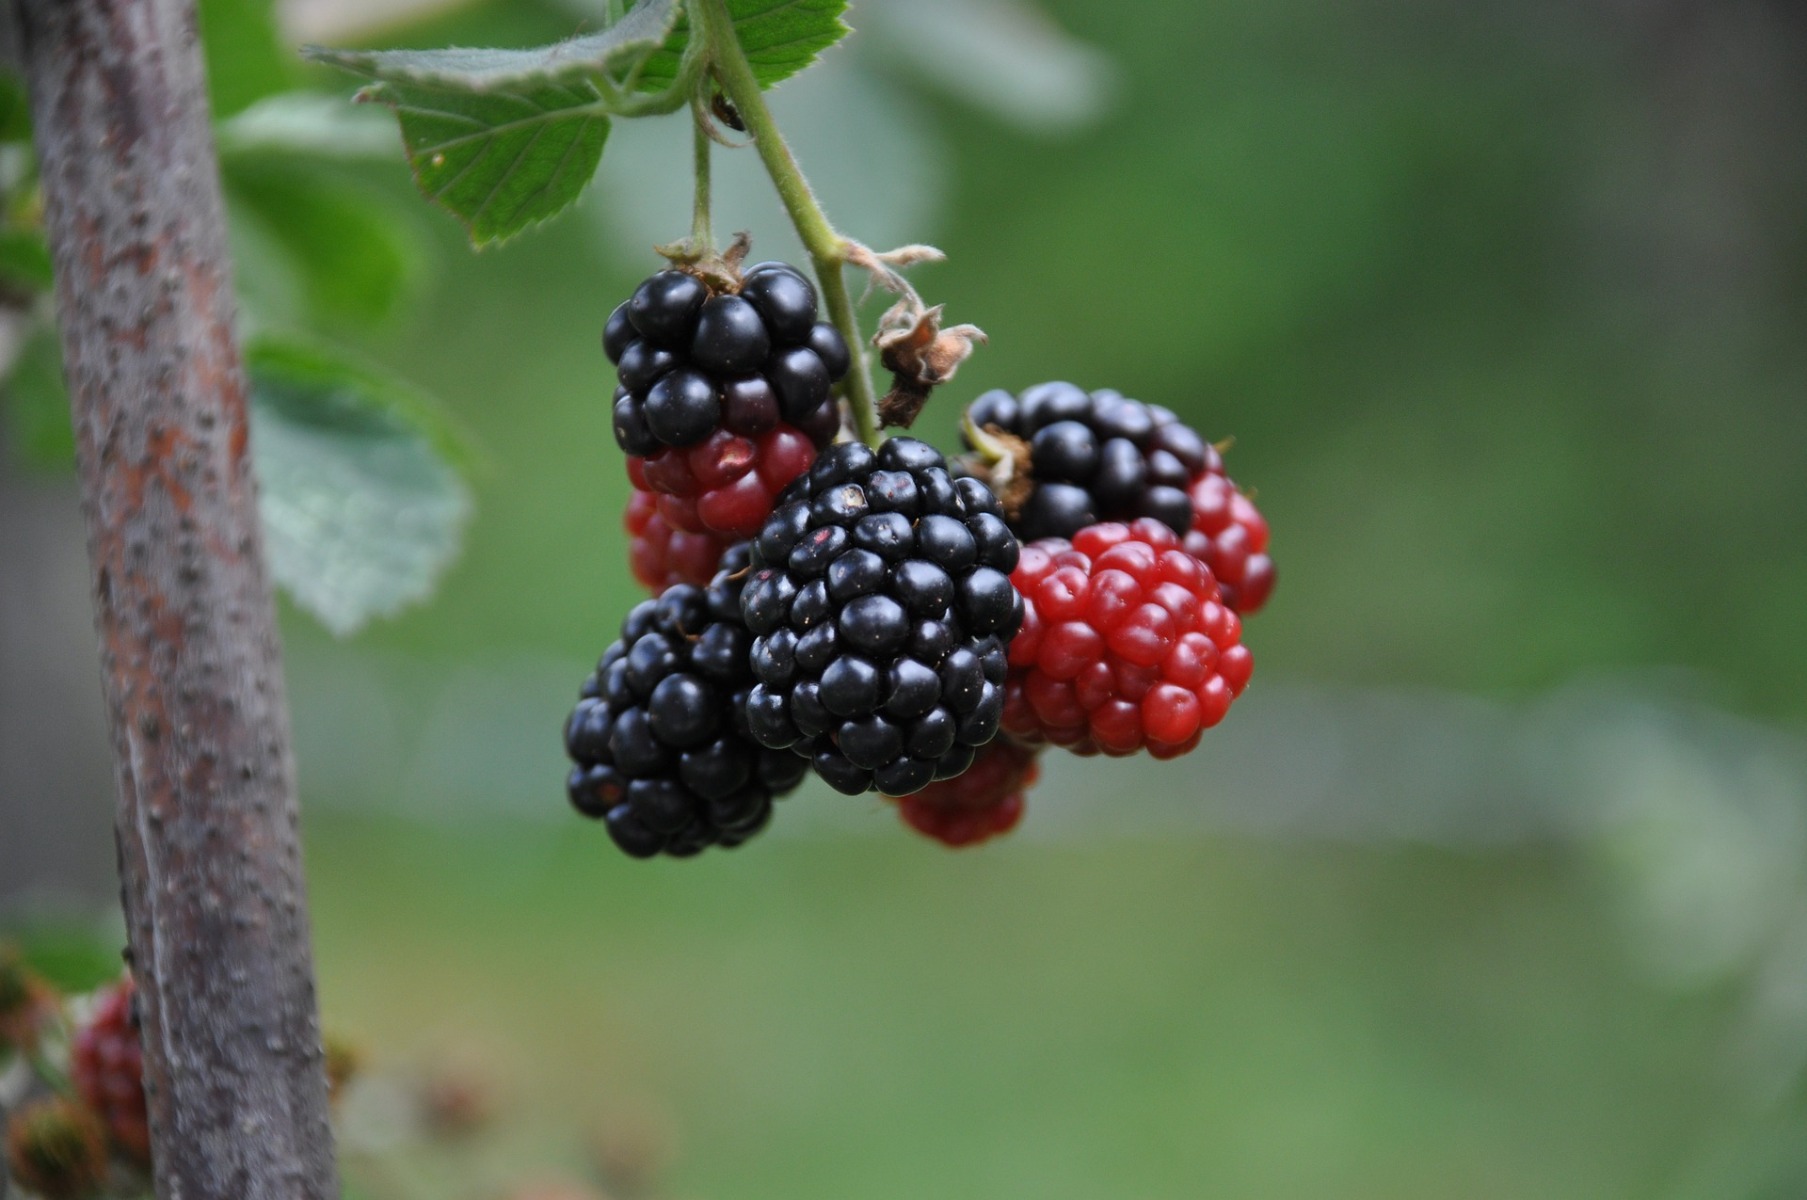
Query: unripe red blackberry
<point x="106" y="1060"/>
<point x="882" y="607"/>
<point x="56" y="1149"/>
<point x="1229" y="535"/>
<point x="663" y="556"/>
<point x="1125" y="644"/>
<point x="725" y="395"/>
<point x="984" y="802"/>
<point x="659" y="735"/>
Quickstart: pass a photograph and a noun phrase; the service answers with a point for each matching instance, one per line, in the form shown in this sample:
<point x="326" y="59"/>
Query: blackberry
<point x="662" y="555"/>
<point x="981" y="804"/>
<point x="882" y="612"/>
<point x="1095" y="457"/>
<point x="659" y="735"/>
<point x="106" y="1063"/>
<point x="1125" y="644"/>
<point x="724" y="396"/>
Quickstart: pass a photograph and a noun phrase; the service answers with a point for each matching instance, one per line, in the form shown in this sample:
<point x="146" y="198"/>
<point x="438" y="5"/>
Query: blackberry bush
<point x="725" y="390"/>
<point x="1126" y="644"/>
<point x="882" y="609"/>
<point x="659" y="735"/>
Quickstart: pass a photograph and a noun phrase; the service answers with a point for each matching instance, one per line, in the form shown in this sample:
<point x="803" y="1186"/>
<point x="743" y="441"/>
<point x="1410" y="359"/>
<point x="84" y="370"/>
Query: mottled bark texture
<point x="209" y="846"/>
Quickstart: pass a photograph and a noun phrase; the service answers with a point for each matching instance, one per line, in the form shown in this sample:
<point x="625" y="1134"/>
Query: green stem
<point x="702" y="240"/>
<point x="827" y="249"/>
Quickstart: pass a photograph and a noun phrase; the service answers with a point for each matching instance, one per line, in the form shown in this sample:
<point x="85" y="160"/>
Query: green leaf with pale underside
<point x="781" y="37"/>
<point x="363" y="508"/>
<point x="499" y="161"/>
<point x="483" y="70"/>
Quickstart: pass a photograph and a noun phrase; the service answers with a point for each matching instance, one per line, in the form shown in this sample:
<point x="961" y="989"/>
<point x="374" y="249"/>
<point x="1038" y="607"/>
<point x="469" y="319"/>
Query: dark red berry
<point x="1125" y="645"/>
<point x="106" y="1062"/>
<point x="985" y="801"/>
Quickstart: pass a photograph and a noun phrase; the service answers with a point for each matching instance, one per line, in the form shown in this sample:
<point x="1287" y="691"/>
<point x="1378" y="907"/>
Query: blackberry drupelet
<point x="983" y="803"/>
<point x="1095" y="457"/>
<point x="882" y="610"/>
<point x="662" y="555"/>
<point x="659" y="735"/>
<point x="724" y="397"/>
<point x="1229" y="535"/>
<point x="1125" y="644"/>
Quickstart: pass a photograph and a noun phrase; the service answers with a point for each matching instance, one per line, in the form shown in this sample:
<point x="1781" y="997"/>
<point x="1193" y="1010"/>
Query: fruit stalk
<point x="209" y="844"/>
<point x="827" y="249"/>
<point x="702" y="238"/>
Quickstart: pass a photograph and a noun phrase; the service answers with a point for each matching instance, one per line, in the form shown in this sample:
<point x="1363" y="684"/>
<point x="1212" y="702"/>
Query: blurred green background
<point x="1491" y="887"/>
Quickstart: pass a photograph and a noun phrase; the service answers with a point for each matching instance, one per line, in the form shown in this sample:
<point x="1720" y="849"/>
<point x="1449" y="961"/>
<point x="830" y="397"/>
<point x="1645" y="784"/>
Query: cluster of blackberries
<point x="872" y="613"/>
<point x="659" y="734"/>
<point x="724" y="396"/>
<point x="883" y="610"/>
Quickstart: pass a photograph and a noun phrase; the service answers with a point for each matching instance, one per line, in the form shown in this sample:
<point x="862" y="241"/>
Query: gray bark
<point x="210" y="860"/>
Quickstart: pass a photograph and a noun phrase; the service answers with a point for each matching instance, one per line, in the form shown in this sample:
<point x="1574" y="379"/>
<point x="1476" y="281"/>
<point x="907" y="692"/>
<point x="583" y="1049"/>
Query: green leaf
<point x="499" y="161"/>
<point x="310" y="123"/>
<point x="72" y="956"/>
<point x="25" y="260"/>
<point x="352" y="251"/>
<point x="363" y="506"/>
<point x="246" y="59"/>
<point x="573" y="60"/>
<point x="15" y="109"/>
<point x="781" y="37"/>
<point x="37" y="404"/>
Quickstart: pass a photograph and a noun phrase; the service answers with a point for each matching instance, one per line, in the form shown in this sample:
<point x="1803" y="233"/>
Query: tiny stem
<point x="827" y="249"/>
<point x="701" y="239"/>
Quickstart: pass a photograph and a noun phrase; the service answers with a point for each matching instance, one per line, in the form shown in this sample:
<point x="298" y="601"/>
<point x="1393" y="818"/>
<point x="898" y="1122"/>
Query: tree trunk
<point x="208" y="829"/>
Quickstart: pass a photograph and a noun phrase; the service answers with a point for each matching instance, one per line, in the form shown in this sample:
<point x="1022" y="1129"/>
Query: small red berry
<point x="1229" y="535"/>
<point x="985" y="801"/>
<point x="1125" y="645"/>
<point x="106" y="1059"/>
<point x="662" y="555"/>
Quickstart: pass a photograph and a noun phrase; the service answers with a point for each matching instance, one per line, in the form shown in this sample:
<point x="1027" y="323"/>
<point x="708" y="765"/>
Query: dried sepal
<point x="920" y="355"/>
<point x="719" y="271"/>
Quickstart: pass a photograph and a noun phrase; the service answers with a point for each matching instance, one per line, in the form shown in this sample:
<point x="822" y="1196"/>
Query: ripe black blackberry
<point x="659" y="734"/>
<point x="882" y="610"/>
<point x="725" y="396"/>
<point x="1096" y="457"/>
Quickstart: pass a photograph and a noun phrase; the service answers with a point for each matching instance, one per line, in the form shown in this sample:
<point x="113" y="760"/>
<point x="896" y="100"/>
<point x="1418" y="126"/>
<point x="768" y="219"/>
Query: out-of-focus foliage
<point x="362" y="509"/>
